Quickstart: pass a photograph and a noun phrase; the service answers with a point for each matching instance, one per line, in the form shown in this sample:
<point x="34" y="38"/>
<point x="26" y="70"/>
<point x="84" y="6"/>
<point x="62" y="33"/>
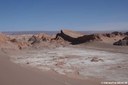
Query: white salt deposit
<point x="66" y="60"/>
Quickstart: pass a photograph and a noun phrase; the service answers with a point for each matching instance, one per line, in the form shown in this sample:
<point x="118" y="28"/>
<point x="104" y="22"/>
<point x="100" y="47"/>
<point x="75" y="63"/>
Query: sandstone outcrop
<point x="22" y="45"/>
<point x="38" y="38"/>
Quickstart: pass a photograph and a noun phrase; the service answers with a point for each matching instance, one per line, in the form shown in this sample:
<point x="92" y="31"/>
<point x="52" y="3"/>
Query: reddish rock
<point x="39" y="37"/>
<point x="22" y="45"/>
<point x="3" y="38"/>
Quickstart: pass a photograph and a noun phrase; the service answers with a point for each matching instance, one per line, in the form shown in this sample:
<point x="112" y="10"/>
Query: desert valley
<point x="66" y="58"/>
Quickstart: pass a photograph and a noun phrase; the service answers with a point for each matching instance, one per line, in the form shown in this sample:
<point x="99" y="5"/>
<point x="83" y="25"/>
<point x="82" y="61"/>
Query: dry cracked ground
<point x="77" y="62"/>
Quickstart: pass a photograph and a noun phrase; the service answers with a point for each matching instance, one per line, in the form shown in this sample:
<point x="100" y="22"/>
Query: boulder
<point x="96" y="59"/>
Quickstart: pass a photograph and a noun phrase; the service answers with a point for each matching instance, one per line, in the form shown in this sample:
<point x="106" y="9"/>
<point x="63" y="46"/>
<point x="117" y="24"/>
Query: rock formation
<point x="123" y="42"/>
<point x="75" y="37"/>
<point x="3" y="38"/>
<point x="117" y="33"/>
<point x="109" y="35"/>
<point x="39" y="37"/>
<point x="22" y="45"/>
<point x="113" y="34"/>
<point x="64" y="38"/>
<point x="68" y="35"/>
<point x="87" y="38"/>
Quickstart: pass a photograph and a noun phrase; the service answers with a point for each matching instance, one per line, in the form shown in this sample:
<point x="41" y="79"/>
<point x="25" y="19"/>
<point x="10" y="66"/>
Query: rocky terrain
<point x="122" y="42"/>
<point x="74" y="54"/>
<point x="65" y="37"/>
<point x="77" y="38"/>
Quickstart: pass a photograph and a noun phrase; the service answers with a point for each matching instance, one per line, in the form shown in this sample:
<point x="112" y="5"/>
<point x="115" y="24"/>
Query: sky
<point x="52" y="15"/>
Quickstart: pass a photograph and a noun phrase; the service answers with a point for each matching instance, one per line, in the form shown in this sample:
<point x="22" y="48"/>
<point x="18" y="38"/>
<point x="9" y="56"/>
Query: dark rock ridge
<point x="87" y="38"/>
<point x="76" y="38"/>
<point x="113" y="34"/>
<point x="123" y="42"/>
<point x="117" y="33"/>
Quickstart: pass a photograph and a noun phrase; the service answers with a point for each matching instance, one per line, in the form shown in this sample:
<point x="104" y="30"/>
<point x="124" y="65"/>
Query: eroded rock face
<point x="7" y="43"/>
<point x="77" y="38"/>
<point x="68" y="35"/>
<point x="87" y="38"/>
<point x="39" y="37"/>
<point x="22" y="45"/>
<point x="123" y="42"/>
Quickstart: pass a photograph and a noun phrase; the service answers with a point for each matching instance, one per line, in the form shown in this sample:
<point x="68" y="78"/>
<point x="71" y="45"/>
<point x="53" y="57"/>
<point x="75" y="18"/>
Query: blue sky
<point x="46" y="15"/>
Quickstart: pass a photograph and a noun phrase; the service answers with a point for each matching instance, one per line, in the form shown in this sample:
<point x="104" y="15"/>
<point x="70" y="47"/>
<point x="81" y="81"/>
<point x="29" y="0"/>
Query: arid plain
<point x="65" y="58"/>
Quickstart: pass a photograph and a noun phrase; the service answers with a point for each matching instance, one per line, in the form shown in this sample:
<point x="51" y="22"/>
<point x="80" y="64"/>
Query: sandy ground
<point x="58" y="63"/>
<point x="14" y="74"/>
<point x="77" y="62"/>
